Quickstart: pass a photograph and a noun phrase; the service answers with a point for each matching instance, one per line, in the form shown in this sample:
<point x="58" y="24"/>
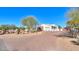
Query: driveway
<point x="44" y="41"/>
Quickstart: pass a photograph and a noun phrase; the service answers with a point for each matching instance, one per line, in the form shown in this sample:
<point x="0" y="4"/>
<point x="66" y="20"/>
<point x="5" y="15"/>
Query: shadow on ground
<point x="64" y="35"/>
<point x="75" y="42"/>
<point x="69" y="36"/>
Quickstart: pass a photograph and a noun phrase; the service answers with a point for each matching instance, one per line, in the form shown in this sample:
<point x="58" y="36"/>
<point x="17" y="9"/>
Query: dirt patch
<point x="42" y="41"/>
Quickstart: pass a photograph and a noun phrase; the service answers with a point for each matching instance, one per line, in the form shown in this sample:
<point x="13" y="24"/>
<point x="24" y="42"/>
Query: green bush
<point x="7" y="27"/>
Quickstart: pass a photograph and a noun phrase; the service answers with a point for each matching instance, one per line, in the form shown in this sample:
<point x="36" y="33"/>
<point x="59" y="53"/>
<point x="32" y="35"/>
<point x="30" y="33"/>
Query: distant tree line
<point x="8" y="27"/>
<point x="30" y="23"/>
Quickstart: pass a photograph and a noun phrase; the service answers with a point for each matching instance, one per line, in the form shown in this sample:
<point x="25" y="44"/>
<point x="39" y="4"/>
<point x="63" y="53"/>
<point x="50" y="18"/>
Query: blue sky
<point x="45" y="15"/>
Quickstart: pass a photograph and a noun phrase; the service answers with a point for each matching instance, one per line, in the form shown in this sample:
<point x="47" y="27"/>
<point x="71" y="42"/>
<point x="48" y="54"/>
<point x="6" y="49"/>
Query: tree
<point x="22" y="28"/>
<point x="53" y="27"/>
<point x="73" y="16"/>
<point x="19" y="29"/>
<point x="30" y="22"/>
<point x="59" y="27"/>
<point x="6" y="27"/>
<point x="73" y="21"/>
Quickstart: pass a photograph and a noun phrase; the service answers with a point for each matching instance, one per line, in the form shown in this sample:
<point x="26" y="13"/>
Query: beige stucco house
<point x="50" y="27"/>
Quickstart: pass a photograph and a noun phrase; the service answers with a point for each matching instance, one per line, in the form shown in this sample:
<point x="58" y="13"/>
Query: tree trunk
<point x="18" y="31"/>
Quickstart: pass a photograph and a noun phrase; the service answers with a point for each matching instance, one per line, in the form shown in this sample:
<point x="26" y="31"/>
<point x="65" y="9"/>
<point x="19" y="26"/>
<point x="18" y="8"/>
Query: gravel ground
<point x="42" y="41"/>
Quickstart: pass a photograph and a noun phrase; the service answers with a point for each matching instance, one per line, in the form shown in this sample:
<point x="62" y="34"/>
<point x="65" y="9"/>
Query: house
<point x="49" y="27"/>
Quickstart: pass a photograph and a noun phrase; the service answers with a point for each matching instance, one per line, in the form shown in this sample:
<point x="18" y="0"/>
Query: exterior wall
<point x="48" y="27"/>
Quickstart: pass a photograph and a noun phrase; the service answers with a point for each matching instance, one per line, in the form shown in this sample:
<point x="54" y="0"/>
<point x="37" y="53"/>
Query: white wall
<point x="49" y="27"/>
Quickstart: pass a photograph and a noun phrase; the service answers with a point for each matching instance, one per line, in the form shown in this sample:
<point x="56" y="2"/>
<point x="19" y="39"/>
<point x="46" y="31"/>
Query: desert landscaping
<point x="33" y="34"/>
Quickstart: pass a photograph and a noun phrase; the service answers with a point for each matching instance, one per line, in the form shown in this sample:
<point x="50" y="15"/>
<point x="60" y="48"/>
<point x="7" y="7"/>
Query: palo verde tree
<point x="73" y="15"/>
<point x="30" y="22"/>
<point x="73" y="22"/>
